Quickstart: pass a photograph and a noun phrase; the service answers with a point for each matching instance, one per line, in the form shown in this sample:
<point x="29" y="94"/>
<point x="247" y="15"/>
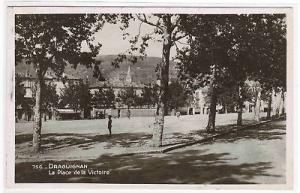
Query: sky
<point x="110" y="36"/>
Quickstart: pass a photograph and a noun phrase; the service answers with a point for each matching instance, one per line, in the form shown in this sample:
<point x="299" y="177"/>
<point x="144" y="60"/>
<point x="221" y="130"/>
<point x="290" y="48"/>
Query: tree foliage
<point x="149" y="95"/>
<point x="166" y="30"/>
<point x="247" y="46"/>
<point x="49" y="96"/>
<point x="20" y="92"/>
<point x="51" y="41"/>
<point x="128" y="97"/>
<point x="75" y="96"/>
<point x="178" y="96"/>
<point x="104" y="98"/>
<point x="54" y="40"/>
<point x="226" y="50"/>
<point x="270" y="50"/>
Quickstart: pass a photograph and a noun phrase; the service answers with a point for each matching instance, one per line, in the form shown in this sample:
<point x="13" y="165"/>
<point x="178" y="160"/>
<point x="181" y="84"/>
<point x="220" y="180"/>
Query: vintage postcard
<point x="185" y="96"/>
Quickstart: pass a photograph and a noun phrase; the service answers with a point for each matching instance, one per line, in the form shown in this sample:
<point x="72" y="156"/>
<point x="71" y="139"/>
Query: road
<point x="250" y="156"/>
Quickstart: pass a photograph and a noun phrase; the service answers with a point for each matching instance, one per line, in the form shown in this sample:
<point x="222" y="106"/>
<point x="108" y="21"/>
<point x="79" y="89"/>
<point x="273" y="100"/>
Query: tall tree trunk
<point x="213" y="103"/>
<point x="275" y="104"/>
<point x="240" y="107"/>
<point x="257" y="106"/>
<point x="283" y="101"/>
<point x="240" y="115"/>
<point x="212" y="112"/>
<point x="163" y="79"/>
<point x="225" y="109"/>
<point x="37" y="127"/>
<point x="128" y="112"/>
<point x="269" y="106"/>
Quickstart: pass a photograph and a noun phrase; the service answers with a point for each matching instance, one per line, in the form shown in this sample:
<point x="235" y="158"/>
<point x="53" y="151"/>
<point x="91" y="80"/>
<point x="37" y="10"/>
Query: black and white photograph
<point x="150" y="96"/>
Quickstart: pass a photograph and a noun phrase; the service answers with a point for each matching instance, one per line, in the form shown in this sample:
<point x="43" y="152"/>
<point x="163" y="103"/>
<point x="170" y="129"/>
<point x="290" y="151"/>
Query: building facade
<point x="28" y="81"/>
<point x="118" y="83"/>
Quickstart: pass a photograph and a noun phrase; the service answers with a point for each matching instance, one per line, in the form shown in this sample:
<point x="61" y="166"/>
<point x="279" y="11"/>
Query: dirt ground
<point x="84" y="139"/>
<point x="250" y="156"/>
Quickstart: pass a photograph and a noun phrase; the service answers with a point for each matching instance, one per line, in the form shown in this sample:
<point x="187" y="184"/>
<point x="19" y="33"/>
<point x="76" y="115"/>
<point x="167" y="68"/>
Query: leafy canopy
<point x="54" y="40"/>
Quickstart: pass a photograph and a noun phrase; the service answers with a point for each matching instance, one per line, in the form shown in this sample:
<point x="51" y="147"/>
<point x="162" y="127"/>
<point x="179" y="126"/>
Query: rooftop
<point x="119" y="84"/>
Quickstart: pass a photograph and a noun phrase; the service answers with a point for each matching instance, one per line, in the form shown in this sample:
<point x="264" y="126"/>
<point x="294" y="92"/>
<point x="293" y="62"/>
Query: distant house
<point x="66" y="114"/>
<point x="28" y="79"/>
<point x="118" y="82"/>
<point x="198" y="104"/>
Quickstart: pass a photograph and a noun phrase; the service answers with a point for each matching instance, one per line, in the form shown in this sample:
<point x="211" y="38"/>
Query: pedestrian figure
<point x="109" y="124"/>
<point x="119" y="113"/>
<point x="177" y="114"/>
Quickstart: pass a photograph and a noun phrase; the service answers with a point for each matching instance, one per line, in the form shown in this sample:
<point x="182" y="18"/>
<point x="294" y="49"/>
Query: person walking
<point x="109" y="125"/>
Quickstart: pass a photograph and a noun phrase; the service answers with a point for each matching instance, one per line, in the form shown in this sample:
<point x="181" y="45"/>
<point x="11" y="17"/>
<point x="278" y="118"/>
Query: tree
<point x="149" y="95"/>
<point x="70" y="96"/>
<point x="241" y="58"/>
<point x="233" y="99"/>
<point x="128" y="97"/>
<point x="228" y="100"/>
<point x="261" y="55"/>
<point x="85" y="99"/>
<point x="166" y="29"/>
<point x="98" y="99"/>
<point x="177" y="96"/>
<point x="19" y="92"/>
<point x="51" y="41"/>
<point x="49" y="96"/>
<point x="104" y="98"/>
<point x="216" y="86"/>
<point x="270" y="50"/>
<point x="231" y="44"/>
<point x="205" y="61"/>
<point x="110" y="98"/>
<point x="77" y="97"/>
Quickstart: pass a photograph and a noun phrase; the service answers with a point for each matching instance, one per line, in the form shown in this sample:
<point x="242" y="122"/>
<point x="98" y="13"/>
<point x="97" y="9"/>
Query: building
<point x="198" y="104"/>
<point x="119" y="81"/>
<point x="28" y="80"/>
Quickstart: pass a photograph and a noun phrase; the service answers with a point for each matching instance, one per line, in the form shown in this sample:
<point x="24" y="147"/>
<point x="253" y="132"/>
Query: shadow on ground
<point x="191" y="167"/>
<point x="186" y="166"/>
<point x="267" y="131"/>
<point x="53" y="141"/>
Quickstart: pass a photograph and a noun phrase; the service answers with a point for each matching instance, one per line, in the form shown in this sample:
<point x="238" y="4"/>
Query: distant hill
<point x="142" y="72"/>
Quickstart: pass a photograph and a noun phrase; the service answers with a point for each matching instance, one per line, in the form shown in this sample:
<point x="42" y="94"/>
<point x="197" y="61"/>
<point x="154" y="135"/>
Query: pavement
<point x="254" y="155"/>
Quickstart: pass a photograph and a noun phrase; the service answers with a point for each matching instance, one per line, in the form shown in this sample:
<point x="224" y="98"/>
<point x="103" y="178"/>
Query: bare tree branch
<point x="174" y="33"/>
<point x="176" y="23"/>
<point x="180" y="37"/>
<point x="176" y="46"/>
<point x="182" y="43"/>
<point x="144" y="19"/>
<point x="140" y="29"/>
